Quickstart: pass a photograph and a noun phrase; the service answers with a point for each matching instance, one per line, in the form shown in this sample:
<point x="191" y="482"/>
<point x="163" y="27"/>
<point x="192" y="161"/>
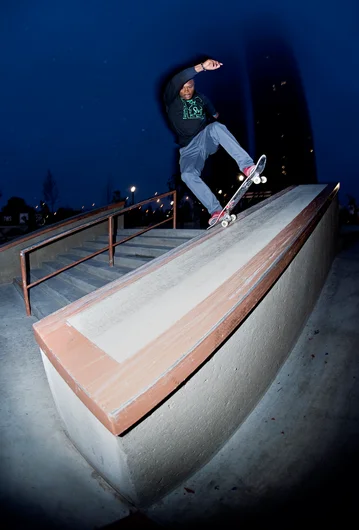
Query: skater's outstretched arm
<point x="177" y="82"/>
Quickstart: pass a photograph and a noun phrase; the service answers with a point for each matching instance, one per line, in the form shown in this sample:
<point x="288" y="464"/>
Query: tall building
<point x="281" y="120"/>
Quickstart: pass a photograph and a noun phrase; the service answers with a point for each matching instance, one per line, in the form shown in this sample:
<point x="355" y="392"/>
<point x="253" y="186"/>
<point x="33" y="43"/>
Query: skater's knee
<point x="216" y="126"/>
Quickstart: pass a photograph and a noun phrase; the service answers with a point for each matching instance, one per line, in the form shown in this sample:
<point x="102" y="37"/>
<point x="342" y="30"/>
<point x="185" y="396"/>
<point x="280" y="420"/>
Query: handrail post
<point x="110" y="240"/>
<point x="24" y="283"/>
<point x="174" y="209"/>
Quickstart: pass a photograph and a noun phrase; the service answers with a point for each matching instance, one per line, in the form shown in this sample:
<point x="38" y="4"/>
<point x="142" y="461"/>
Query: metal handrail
<point x="59" y="224"/>
<point x="24" y="252"/>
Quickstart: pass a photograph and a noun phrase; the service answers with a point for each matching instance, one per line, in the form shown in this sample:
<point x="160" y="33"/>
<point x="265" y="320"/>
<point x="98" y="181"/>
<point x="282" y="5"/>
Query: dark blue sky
<point x="80" y="78"/>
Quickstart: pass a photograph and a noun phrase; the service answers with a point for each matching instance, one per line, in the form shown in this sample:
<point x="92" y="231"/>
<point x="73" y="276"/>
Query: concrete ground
<point x="295" y="458"/>
<point x="44" y="481"/>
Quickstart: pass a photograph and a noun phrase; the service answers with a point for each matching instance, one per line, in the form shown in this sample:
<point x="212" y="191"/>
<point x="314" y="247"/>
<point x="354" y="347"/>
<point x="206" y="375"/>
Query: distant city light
<point x="171" y="203"/>
<point x="93" y="204"/>
<point x="283" y="82"/>
<point x="220" y="191"/>
<point x="158" y="200"/>
<point x="311" y="150"/>
<point x="82" y="207"/>
<point x="133" y="189"/>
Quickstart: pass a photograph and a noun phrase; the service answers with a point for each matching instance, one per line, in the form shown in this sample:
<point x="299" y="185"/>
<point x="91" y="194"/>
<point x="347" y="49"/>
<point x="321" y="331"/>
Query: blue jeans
<point x="194" y="155"/>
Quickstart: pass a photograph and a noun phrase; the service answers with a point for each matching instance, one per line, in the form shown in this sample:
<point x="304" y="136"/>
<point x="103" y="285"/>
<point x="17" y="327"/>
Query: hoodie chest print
<point x="193" y="109"/>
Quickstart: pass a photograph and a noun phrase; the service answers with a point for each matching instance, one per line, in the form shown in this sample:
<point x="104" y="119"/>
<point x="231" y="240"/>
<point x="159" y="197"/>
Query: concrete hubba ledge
<point x="153" y="373"/>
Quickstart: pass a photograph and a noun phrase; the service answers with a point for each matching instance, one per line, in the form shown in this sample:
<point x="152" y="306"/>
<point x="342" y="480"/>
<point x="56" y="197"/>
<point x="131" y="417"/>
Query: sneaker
<point x="258" y="168"/>
<point x="248" y="170"/>
<point x="216" y="216"/>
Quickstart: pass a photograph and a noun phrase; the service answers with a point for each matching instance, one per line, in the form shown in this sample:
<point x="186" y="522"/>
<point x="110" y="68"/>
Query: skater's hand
<point x="211" y="64"/>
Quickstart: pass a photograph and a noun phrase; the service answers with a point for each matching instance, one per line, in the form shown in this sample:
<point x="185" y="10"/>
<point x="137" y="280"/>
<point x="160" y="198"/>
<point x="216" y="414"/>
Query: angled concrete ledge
<point x="154" y="372"/>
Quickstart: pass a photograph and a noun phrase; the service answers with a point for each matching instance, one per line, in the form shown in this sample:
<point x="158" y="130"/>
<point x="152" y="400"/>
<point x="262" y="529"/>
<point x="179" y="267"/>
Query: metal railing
<point x="110" y="247"/>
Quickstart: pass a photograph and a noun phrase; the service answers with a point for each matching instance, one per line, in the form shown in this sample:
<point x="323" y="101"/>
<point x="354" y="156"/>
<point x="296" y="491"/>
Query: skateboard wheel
<point x="224" y="224"/>
<point x="263" y="179"/>
<point x="257" y="180"/>
<point x="233" y="217"/>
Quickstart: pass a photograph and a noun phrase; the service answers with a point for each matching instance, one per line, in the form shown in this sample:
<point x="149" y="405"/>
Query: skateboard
<point x="256" y="178"/>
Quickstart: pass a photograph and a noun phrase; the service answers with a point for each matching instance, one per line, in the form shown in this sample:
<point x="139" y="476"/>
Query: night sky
<point x="80" y="86"/>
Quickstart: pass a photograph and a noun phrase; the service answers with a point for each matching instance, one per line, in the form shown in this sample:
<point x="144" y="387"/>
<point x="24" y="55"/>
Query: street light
<point x="133" y="189"/>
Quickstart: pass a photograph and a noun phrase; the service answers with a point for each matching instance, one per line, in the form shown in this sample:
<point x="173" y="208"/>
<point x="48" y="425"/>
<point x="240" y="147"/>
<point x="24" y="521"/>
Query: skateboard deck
<point x="254" y="178"/>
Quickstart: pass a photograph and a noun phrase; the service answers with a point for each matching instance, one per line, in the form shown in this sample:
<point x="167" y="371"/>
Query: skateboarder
<point x="189" y="113"/>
